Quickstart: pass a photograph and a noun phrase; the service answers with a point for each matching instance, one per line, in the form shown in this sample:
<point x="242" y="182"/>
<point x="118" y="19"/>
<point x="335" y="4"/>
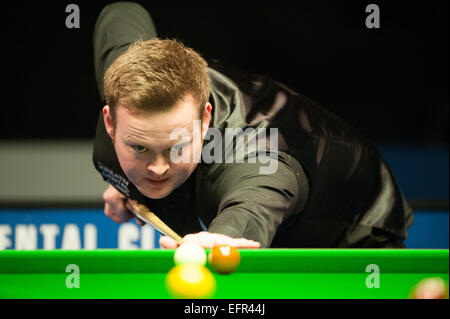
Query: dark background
<point x="391" y="83"/>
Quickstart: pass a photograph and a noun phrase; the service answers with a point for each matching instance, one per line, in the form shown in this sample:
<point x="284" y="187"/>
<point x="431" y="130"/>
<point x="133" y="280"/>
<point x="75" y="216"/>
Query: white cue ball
<point x="189" y="253"/>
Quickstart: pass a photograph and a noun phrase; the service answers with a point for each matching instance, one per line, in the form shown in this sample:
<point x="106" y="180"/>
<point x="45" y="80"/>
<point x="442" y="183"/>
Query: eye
<point x="139" y="148"/>
<point x="178" y="148"/>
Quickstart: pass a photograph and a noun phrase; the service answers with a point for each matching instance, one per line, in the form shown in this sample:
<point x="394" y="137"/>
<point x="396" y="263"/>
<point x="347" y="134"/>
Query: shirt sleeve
<point x="253" y="205"/>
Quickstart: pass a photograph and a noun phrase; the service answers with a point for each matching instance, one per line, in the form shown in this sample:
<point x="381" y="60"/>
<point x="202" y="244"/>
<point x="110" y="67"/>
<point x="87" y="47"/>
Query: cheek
<point x="182" y="170"/>
<point x="196" y="150"/>
<point x="127" y="161"/>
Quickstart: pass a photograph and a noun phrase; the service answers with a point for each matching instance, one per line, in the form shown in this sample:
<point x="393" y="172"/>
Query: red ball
<point x="430" y="288"/>
<point x="224" y="259"/>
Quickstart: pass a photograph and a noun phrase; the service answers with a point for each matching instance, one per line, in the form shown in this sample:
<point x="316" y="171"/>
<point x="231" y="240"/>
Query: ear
<point x="107" y="118"/>
<point x="206" y="119"/>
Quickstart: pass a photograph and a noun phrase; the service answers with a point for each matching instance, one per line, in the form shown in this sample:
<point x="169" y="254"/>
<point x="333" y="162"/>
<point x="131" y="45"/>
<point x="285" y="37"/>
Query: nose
<point x="158" y="167"/>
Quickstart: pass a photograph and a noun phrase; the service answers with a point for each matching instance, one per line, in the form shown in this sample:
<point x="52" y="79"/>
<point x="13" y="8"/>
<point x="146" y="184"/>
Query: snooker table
<point x="262" y="273"/>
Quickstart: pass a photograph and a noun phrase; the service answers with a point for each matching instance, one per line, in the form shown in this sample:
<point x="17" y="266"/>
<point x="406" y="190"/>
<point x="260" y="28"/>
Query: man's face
<point x="146" y="144"/>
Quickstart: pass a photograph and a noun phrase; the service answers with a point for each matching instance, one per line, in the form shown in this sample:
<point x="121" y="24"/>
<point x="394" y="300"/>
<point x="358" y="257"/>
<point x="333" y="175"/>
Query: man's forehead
<point x="159" y="130"/>
<point x="180" y="117"/>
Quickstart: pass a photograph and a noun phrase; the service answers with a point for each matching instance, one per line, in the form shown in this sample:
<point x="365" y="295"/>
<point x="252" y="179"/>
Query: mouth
<point x="156" y="182"/>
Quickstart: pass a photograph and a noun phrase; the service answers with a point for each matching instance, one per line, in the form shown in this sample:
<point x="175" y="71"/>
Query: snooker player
<point x="330" y="188"/>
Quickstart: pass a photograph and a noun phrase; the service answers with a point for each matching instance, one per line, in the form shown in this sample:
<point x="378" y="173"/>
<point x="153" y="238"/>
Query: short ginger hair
<point x="152" y="76"/>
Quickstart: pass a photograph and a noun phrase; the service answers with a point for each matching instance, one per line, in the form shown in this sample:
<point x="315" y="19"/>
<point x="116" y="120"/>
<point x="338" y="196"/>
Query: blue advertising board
<point x="29" y="229"/>
<point x="71" y="229"/>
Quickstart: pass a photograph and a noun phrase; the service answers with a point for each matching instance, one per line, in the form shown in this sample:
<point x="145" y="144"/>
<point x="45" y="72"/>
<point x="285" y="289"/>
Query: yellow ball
<point x="190" y="281"/>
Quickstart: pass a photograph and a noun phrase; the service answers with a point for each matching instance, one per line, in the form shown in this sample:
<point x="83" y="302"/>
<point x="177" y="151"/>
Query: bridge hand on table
<point x="209" y="240"/>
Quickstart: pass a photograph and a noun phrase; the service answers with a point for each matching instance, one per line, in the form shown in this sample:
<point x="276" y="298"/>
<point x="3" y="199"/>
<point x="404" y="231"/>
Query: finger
<point x="116" y="211"/>
<point x="167" y="242"/>
<point x="114" y="205"/>
<point x="203" y="239"/>
<point x="111" y="193"/>
<point x="220" y="239"/>
<point x="110" y="214"/>
<point x="140" y="222"/>
<point x="245" y="243"/>
<point x="210" y="240"/>
<point x="129" y="204"/>
<point x="121" y="213"/>
<point x="108" y="211"/>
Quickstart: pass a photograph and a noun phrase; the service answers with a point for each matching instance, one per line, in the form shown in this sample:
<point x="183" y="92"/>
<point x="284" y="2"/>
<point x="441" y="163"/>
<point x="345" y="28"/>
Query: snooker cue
<point x="144" y="214"/>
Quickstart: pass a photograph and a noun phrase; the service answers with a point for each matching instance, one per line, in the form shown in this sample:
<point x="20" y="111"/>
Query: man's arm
<point x="251" y="205"/>
<point x="254" y="205"/>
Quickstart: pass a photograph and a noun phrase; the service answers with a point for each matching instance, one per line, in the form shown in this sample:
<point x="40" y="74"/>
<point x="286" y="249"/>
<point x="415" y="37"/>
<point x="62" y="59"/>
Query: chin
<point x="155" y="194"/>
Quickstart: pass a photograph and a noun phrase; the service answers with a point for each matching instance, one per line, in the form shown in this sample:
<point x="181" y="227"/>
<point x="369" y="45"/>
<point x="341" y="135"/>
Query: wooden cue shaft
<point x="144" y="213"/>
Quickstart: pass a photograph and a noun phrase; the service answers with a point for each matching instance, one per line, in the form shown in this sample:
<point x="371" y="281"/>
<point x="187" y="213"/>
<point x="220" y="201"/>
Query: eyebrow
<point x="180" y="142"/>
